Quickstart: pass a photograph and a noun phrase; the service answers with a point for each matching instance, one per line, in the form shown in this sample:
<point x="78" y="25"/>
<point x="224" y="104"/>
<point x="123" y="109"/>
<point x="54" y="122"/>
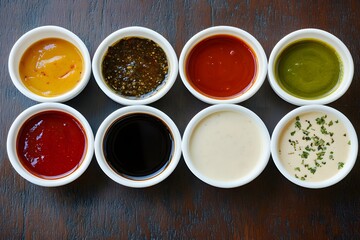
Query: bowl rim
<point x="322" y="36"/>
<point x="137" y="182"/>
<point x="241" y="34"/>
<point x="260" y="166"/>
<point x="142" y="32"/>
<point x="35" y="35"/>
<point x="323" y="109"/>
<point x="32" y="111"/>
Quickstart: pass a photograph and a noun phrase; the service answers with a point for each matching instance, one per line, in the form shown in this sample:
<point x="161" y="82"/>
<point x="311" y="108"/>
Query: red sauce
<point x="51" y="144"/>
<point x="222" y="66"/>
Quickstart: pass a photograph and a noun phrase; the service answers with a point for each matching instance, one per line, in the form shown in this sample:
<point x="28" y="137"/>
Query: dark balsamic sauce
<point x="138" y="145"/>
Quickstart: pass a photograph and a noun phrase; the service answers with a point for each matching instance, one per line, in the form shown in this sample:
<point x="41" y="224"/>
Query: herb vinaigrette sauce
<point x="135" y="67"/>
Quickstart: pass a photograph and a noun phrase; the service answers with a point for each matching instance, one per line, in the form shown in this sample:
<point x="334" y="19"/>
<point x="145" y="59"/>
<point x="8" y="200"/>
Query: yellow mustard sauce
<point x="51" y="67"/>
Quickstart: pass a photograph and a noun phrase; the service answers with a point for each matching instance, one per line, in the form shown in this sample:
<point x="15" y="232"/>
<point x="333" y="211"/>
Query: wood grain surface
<point x="181" y="207"/>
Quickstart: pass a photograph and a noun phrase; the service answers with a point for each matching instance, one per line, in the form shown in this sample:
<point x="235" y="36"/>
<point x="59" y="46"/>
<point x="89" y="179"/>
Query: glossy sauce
<point x="51" y="144"/>
<point x="138" y="145"/>
<point x="314" y="146"/>
<point x="222" y="66"/>
<point x="309" y="69"/>
<point x="51" y="67"/>
<point x="226" y="146"/>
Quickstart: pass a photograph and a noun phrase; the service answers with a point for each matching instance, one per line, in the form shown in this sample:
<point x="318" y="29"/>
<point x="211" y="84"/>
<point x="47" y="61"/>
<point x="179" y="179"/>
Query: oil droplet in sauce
<point x="51" y="67"/>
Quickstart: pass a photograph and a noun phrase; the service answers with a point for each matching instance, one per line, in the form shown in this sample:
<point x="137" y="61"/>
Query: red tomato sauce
<point x="222" y="66"/>
<point x="51" y="144"/>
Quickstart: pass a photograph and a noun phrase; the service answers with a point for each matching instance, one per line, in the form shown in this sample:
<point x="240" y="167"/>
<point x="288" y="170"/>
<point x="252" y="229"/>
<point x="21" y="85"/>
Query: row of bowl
<point x="224" y="131"/>
<point x="224" y="145"/>
<point x="243" y="63"/>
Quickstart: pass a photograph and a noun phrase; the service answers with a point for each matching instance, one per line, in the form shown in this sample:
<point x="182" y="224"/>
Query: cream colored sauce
<point x="336" y="152"/>
<point x="226" y="145"/>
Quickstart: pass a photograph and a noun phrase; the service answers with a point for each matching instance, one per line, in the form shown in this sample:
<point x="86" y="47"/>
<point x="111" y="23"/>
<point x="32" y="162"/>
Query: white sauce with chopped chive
<point x="226" y="145"/>
<point x="314" y="146"/>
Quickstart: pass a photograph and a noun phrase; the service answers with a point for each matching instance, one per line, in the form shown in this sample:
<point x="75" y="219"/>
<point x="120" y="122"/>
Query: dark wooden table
<point x="181" y="207"/>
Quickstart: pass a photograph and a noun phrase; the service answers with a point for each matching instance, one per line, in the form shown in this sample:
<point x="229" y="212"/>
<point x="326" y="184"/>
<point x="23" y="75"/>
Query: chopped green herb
<point x="293" y="133"/>
<point x="309" y="126"/>
<point x="304" y="154"/>
<point x="324" y="130"/>
<point x="307" y="148"/>
<point x="320" y="121"/>
<point x="340" y="165"/>
<point x="320" y="155"/>
<point x="305" y="132"/>
<point x="312" y="170"/>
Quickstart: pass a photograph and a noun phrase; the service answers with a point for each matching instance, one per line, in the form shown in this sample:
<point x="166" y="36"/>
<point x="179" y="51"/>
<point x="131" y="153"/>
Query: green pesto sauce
<point x="308" y="69"/>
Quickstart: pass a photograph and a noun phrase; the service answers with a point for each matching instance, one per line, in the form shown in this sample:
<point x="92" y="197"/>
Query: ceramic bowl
<point x="137" y="181"/>
<point x="349" y="139"/>
<point x="35" y="35"/>
<point x="13" y="136"/>
<point x="221" y="142"/>
<point x="322" y="36"/>
<point x="248" y="39"/>
<point x="139" y="32"/>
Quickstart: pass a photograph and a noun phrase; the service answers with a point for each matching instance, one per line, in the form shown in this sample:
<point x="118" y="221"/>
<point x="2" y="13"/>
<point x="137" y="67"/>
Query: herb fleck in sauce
<point x="135" y="67"/>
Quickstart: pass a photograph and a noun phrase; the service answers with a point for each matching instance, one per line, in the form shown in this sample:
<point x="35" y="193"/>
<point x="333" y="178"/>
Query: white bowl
<point x="324" y="110"/>
<point x="261" y="61"/>
<point x="140" y="32"/>
<point x="12" y="139"/>
<point x="322" y="36"/>
<point x="253" y="171"/>
<point x="35" y="35"/>
<point x="137" y="182"/>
